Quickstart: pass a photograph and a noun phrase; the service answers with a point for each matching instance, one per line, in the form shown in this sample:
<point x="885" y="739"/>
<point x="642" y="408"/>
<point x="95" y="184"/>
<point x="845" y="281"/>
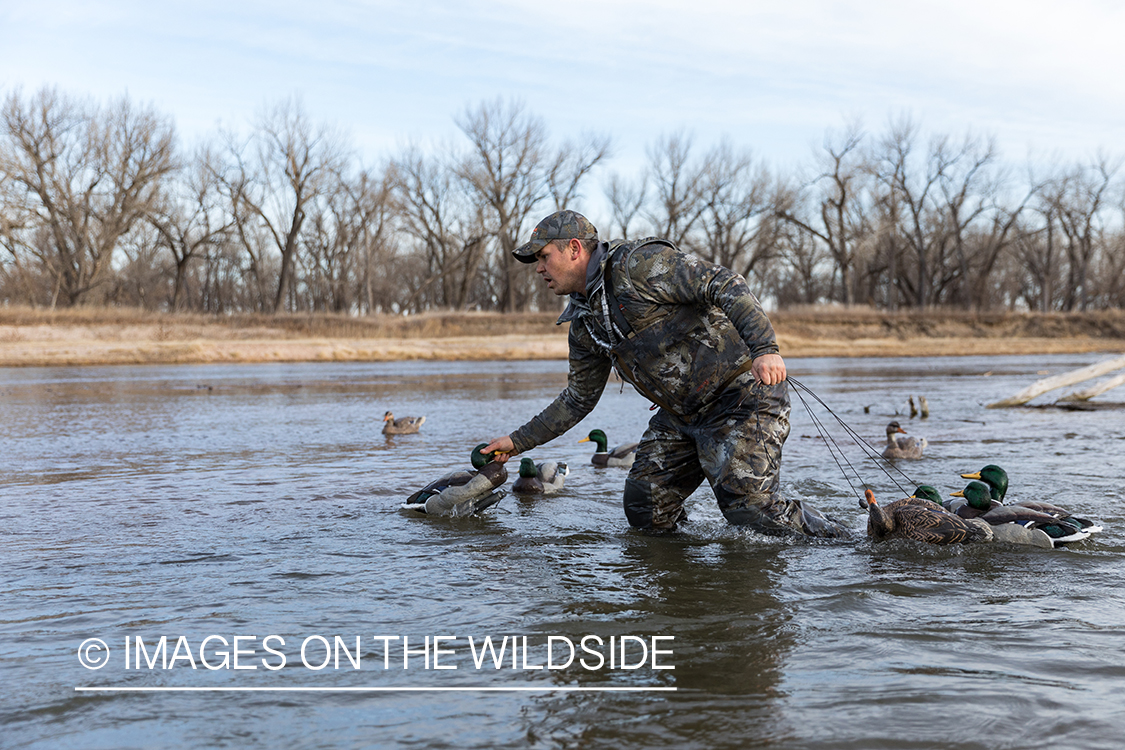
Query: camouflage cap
<point x="561" y="225"/>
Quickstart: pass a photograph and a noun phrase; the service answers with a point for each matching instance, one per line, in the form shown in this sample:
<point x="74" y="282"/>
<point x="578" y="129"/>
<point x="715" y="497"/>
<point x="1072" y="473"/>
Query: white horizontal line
<point x="374" y="689"/>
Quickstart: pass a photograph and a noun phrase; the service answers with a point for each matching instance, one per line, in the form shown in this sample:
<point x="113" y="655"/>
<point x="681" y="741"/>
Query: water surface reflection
<point x="264" y="499"/>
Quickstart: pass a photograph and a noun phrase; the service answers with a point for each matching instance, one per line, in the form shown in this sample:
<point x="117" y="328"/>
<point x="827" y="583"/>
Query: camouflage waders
<point x="736" y="447"/>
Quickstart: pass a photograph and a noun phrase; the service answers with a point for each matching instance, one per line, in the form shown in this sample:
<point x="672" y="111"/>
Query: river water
<point x="205" y="504"/>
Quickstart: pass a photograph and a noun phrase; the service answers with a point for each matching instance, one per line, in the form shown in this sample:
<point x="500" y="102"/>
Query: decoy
<point x="402" y="425"/>
<point x="622" y="455"/>
<point x="1017" y="524"/>
<point x="462" y="493"/>
<point x="921" y="520"/>
<point x="907" y="447"/>
<point x="997" y="480"/>
<point x="544" y="478"/>
<point x="928" y="492"/>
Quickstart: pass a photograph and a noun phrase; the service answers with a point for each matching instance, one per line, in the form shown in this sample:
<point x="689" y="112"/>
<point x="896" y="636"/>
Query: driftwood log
<point x="1040" y="387"/>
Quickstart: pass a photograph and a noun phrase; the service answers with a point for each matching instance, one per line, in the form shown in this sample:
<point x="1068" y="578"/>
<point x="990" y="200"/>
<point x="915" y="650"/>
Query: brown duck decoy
<point x="402" y="425"/>
<point x="902" y="447"/>
<point x="922" y="521"/>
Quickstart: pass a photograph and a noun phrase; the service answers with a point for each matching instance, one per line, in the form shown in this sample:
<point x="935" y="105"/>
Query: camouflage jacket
<point x="695" y="328"/>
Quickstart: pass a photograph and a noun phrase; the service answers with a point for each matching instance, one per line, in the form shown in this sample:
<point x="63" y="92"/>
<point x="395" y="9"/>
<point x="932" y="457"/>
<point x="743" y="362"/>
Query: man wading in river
<point x="690" y="337"/>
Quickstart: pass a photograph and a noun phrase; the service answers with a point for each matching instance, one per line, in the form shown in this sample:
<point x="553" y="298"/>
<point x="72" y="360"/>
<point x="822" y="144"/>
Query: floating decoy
<point x="928" y="492"/>
<point x="921" y="520"/>
<point x="1017" y="524"/>
<point x="622" y="455"/>
<point x="462" y="493"/>
<point x="544" y="478"/>
<point x="402" y="425"/>
<point x="907" y="447"/>
<point x="997" y="480"/>
<point x="971" y="503"/>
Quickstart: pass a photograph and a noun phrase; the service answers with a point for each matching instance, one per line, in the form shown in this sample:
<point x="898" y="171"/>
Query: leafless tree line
<point x="100" y="206"/>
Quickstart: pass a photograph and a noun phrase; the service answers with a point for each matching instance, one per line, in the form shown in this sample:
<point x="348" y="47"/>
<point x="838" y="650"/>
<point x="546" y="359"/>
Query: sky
<point x="1046" y="79"/>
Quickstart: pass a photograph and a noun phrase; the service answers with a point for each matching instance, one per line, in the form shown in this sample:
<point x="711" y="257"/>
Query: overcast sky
<point x="1045" y="78"/>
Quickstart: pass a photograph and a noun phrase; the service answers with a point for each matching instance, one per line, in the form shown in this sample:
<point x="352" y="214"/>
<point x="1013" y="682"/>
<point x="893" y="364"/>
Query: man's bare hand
<point x="502" y="446"/>
<point x="769" y="369"/>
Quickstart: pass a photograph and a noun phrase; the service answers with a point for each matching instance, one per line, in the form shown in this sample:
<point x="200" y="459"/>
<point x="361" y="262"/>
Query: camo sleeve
<point x="670" y="276"/>
<point x="589" y="372"/>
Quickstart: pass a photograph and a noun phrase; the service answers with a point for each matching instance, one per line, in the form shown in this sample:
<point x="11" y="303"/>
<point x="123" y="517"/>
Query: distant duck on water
<point x="462" y="493"/>
<point x="621" y="456"/>
<point x="402" y="425"/>
<point x="544" y="478"/>
<point x="902" y="447"/>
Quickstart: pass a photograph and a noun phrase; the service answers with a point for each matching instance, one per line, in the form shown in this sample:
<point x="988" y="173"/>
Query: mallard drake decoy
<point x="622" y="455"/>
<point x="997" y="480"/>
<point x="921" y="520"/>
<point x="462" y="493"/>
<point x="544" y="478"/>
<point x="1014" y="523"/>
<point x="928" y="492"/>
<point x="402" y="425"/>
<point x="907" y="447"/>
<point x="971" y="503"/>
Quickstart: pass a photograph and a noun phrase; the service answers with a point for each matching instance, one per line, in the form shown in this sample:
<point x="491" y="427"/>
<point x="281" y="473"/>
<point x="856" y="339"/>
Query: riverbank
<point x="32" y="338"/>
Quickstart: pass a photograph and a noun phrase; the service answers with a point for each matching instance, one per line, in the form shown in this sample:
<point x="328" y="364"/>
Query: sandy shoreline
<point x="39" y="346"/>
<point x="109" y="336"/>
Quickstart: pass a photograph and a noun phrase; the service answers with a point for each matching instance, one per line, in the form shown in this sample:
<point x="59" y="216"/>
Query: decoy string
<point x="834" y="447"/>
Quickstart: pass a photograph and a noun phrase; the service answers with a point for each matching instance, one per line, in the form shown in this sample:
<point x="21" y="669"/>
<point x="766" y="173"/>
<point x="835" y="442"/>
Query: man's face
<point x="562" y="266"/>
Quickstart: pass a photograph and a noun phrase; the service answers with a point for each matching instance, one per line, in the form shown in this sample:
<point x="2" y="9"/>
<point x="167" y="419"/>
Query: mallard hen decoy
<point x="402" y="425"/>
<point x="907" y="447"/>
<point x="544" y="478"/>
<point x="921" y="520"/>
<point x="622" y="455"/>
<point x="1014" y="523"/>
<point x="997" y="480"/>
<point x="462" y="493"/>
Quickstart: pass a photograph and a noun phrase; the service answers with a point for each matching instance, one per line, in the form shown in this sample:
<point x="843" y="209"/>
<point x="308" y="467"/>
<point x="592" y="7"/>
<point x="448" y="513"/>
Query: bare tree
<point x="1037" y="251"/>
<point x="677" y="182"/>
<point x="1078" y="203"/>
<point x="626" y="199"/>
<point x="87" y="175"/>
<point x="448" y="228"/>
<point x="140" y="277"/>
<point x="364" y="221"/>
<point x="512" y="170"/>
<point x="572" y="163"/>
<point x="738" y="221"/>
<point x="908" y="201"/>
<point x="841" y="219"/>
<point x="16" y="279"/>
<point x="803" y="257"/>
<point x="271" y="181"/>
<point x="345" y="240"/>
<point x="1111" y="273"/>
<point x="506" y="170"/>
<point x="190" y="218"/>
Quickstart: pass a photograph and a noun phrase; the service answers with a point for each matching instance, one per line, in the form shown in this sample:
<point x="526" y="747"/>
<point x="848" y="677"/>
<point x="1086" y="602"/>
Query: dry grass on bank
<point x="82" y="336"/>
